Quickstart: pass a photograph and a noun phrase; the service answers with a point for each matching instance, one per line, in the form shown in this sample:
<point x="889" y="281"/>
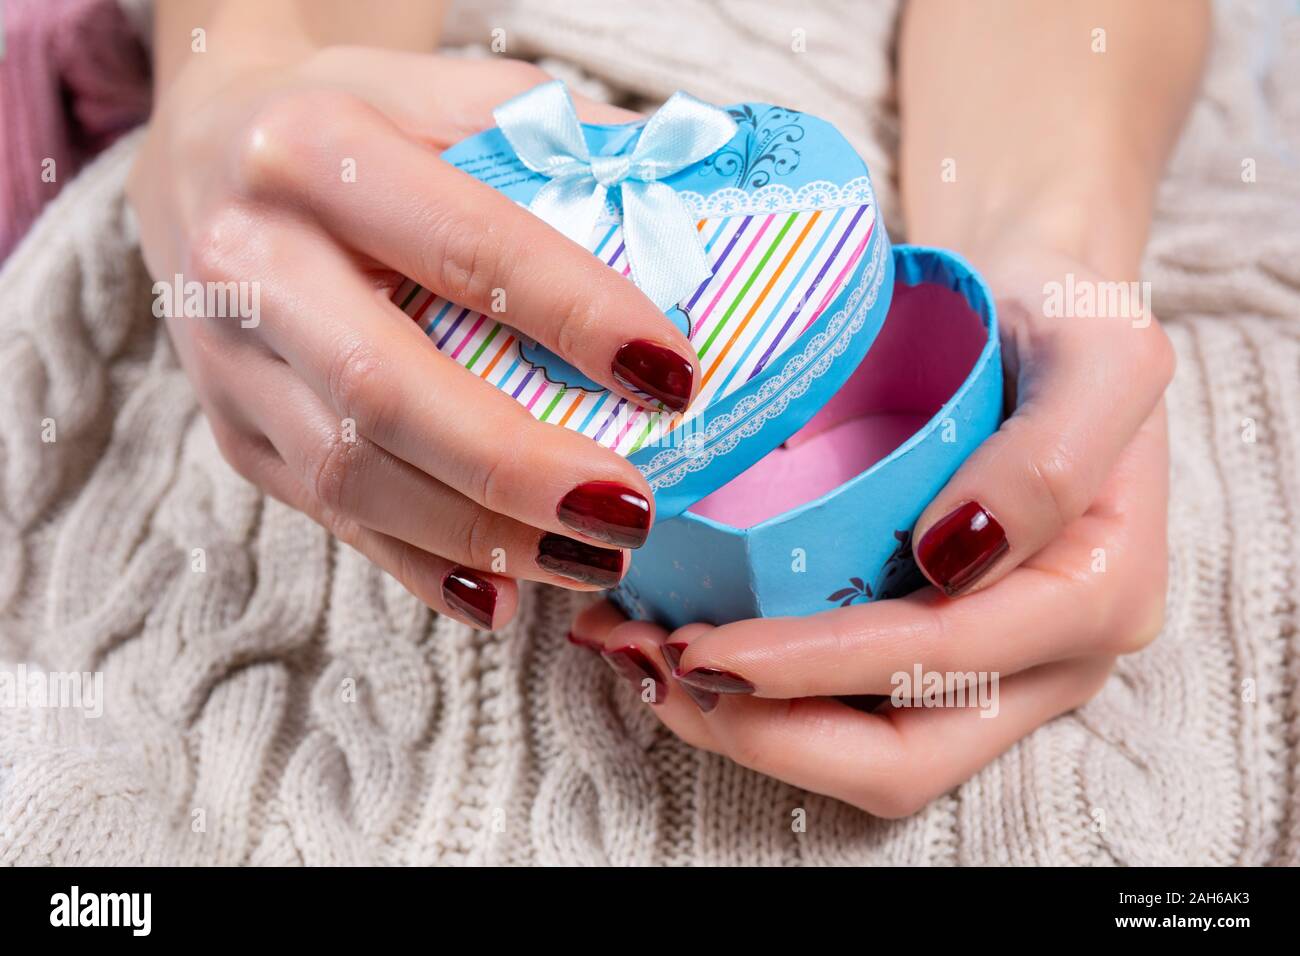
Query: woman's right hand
<point x="333" y="400"/>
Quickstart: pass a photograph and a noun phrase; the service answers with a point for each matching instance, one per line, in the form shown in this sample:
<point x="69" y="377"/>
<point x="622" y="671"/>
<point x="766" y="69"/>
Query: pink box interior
<point x="924" y="352"/>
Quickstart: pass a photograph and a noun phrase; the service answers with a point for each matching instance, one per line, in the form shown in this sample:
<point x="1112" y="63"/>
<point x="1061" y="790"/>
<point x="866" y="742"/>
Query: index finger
<point x="469" y="243"/>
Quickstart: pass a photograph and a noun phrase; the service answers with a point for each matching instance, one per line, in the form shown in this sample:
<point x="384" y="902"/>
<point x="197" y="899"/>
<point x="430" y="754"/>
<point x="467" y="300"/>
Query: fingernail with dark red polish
<point x="705" y="700"/>
<point x="656" y="371"/>
<point x="631" y="662"/>
<point x="607" y="511"/>
<point x="585" y="644"/>
<point x="577" y="561"/>
<point x="715" y="681"/>
<point x="472" y="595"/>
<point x="672" y="653"/>
<point x="961" y="547"/>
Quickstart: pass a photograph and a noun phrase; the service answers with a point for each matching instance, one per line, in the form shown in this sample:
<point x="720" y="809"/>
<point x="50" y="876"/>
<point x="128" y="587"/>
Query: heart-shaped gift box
<point x="827" y="418"/>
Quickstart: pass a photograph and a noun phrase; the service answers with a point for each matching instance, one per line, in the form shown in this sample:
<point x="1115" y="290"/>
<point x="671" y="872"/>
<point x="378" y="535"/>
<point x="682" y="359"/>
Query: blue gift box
<point x="844" y="380"/>
<point x="825" y="520"/>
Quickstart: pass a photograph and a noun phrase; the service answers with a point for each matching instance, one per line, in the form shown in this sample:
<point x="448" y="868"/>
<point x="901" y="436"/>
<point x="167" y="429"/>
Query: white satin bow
<point x="664" y="249"/>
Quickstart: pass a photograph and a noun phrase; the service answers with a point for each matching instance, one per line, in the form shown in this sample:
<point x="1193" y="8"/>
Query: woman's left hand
<point x="1048" y="549"/>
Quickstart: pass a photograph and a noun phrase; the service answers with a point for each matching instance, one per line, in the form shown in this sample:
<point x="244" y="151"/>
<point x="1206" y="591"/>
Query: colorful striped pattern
<point x="773" y="276"/>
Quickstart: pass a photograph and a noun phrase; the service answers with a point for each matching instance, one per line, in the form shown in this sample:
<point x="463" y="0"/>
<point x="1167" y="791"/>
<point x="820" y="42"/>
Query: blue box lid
<point x="801" y="281"/>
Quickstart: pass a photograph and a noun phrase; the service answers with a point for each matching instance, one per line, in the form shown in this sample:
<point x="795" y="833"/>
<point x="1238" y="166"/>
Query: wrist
<point x="215" y="41"/>
<point x="202" y="75"/>
<point x="1096" y="214"/>
<point x="225" y="39"/>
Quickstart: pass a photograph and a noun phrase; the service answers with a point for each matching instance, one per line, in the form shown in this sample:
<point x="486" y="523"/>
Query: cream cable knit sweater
<point x="290" y="704"/>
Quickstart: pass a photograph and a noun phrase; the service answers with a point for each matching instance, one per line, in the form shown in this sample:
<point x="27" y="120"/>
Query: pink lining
<point x="926" y="349"/>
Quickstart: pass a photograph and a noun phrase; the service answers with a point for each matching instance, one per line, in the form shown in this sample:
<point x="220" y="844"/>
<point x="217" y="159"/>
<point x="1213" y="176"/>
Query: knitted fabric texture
<point x="273" y="698"/>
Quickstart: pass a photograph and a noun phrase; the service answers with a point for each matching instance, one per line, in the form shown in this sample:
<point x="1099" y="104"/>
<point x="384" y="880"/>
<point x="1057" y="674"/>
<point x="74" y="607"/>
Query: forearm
<point x="1014" y="130"/>
<point x="242" y="34"/>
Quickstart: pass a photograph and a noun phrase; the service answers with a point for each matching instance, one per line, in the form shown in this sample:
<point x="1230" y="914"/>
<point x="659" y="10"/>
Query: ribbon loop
<point x="664" y="250"/>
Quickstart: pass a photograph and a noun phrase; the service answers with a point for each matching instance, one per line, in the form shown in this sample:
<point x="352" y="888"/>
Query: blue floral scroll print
<point x="559" y="372"/>
<point x="768" y="147"/>
<point x="899" y="577"/>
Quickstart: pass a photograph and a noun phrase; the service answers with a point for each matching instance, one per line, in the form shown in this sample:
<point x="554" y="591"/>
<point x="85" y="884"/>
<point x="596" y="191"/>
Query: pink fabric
<point x="72" y="79"/>
<point x="927" y="347"/>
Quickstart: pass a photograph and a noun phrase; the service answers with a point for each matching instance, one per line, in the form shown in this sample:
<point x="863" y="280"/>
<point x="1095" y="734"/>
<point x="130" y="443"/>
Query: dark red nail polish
<point x="578" y="561"/>
<point x="960" y="547"/>
<point x="705" y="700"/>
<point x="673" y="652"/>
<point x="656" y="371"/>
<point x="631" y="662"/>
<point x="585" y="644"/>
<point x="472" y="595"/>
<point x="607" y="511"/>
<point x="715" y="681"/>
